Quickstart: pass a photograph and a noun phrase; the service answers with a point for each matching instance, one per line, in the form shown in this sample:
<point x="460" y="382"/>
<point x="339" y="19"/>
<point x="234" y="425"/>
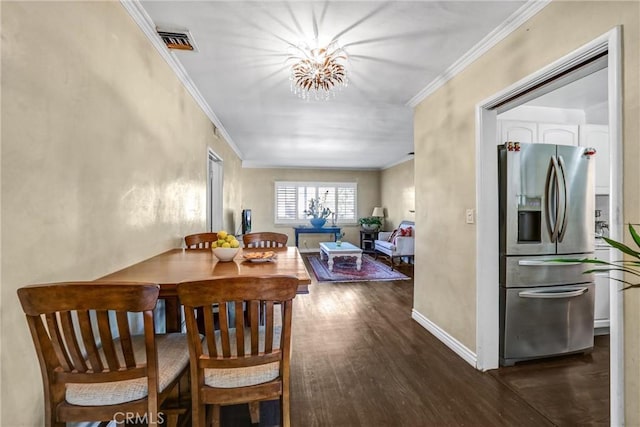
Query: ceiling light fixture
<point x="318" y="71"/>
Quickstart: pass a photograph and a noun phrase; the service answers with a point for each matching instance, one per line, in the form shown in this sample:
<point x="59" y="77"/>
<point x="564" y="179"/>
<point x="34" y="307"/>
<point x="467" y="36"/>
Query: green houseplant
<point x="629" y="266"/>
<point x="370" y="222"/>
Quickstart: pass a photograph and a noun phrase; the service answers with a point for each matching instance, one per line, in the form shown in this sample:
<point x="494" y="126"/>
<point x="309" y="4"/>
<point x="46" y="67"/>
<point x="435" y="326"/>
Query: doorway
<point x="487" y="204"/>
<point x="214" y="191"/>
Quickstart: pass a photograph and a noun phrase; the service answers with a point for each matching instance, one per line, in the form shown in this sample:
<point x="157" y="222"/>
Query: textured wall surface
<point x="444" y="129"/>
<point x="103" y="163"/>
<point x="398" y="193"/>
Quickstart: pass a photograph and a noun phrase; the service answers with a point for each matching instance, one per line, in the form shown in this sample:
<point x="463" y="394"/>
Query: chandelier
<point x="318" y="71"/>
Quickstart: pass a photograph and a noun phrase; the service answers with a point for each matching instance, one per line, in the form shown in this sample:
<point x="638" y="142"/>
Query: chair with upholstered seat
<point x="93" y="366"/>
<point x="244" y="358"/>
<point x="200" y="240"/>
<point x="397" y="244"/>
<point x="265" y="240"/>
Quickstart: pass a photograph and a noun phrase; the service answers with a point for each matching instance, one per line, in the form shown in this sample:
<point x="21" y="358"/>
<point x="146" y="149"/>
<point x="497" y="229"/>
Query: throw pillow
<point x="392" y="237"/>
<point x="406" y="231"/>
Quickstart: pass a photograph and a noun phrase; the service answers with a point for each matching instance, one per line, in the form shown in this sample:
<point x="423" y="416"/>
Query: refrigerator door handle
<point x="564" y="197"/>
<point x="546" y="263"/>
<point x="571" y="293"/>
<point x="551" y="193"/>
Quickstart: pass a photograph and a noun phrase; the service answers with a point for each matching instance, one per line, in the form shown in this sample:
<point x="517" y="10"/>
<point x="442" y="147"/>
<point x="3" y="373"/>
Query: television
<point x="246" y="221"/>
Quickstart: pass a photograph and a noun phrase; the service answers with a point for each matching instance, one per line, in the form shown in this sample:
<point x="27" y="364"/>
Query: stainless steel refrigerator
<point x="546" y="212"/>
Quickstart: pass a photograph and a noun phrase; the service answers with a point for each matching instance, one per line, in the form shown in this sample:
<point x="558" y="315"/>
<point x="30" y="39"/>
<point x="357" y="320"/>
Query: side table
<point x="367" y="241"/>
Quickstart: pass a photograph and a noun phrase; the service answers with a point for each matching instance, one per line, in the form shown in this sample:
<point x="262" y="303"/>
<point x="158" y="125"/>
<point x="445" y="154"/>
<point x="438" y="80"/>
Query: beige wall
<point x="445" y="290"/>
<point x="398" y="193"/>
<point x="103" y="163"/>
<point x="258" y="195"/>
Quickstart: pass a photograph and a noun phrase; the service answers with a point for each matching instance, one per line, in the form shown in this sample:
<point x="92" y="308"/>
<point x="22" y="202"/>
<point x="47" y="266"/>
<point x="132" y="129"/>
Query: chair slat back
<point x="252" y="312"/>
<point x="63" y="316"/>
<point x="200" y="240"/>
<point x="265" y="240"/>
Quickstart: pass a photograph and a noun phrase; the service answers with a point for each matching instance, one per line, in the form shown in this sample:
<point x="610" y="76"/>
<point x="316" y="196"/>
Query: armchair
<point x="397" y="244"/>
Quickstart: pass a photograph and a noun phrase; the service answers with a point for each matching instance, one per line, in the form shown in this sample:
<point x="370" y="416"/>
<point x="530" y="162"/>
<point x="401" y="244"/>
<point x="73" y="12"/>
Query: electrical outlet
<point x="469" y="216"/>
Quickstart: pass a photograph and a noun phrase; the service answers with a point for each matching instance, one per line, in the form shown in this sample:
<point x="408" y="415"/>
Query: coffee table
<point x="332" y="250"/>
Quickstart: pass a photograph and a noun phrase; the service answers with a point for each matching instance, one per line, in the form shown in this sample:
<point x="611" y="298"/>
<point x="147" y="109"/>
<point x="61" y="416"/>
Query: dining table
<point x="179" y="265"/>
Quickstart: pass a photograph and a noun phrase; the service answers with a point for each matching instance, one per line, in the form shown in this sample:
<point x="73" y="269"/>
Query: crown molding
<point x="398" y="162"/>
<point x="144" y="21"/>
<point x="252" y="164"/>
<point x="520" y="16"/>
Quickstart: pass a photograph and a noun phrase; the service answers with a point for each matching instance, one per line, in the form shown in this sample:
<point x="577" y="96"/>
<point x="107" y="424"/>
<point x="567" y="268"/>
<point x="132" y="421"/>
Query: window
<point x="292" y="199"/>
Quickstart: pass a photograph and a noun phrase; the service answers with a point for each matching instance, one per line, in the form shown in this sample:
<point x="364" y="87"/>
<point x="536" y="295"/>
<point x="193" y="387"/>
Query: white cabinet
<point x="597" y="136"/>
<point x="548" y="133"/>
<point x="601" y="309"/>
<point x="512" y="130"/>
<point x="558" y="134"/>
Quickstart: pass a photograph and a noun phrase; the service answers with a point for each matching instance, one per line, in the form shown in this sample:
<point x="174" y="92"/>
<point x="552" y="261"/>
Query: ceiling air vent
<point x="180" y="40"/>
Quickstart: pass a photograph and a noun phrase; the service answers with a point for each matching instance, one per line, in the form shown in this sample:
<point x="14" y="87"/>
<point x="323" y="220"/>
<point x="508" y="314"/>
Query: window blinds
<point x="292" y="199"/>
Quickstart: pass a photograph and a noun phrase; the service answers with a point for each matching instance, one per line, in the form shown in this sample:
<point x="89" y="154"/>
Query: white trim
<point x="487" y="244"/>
<point x="144" y="21"/>
<point x="456" y="346"/>
<point x="616" y="230"/>
<point x="487" y="208"/>
<point x="578" y="56"/>
<point x="514" y="21"/>
<point x="212" y="155"/>
<point x="255" y="164"/>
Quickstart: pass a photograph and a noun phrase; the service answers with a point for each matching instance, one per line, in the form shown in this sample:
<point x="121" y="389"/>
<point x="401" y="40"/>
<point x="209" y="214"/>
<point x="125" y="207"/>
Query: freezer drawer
<point x="545" y="321"/>
<point x="530" y="271"/>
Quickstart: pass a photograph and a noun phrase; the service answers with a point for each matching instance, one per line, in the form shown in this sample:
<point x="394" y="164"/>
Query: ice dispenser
<point x="529" y="220"/>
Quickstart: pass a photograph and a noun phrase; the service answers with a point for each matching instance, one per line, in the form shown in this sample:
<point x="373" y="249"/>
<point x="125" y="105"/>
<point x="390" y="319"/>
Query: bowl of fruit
<point x="226" y="247"/>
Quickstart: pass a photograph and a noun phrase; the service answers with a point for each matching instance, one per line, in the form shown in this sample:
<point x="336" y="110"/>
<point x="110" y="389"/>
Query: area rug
<point x="344" y="270"/>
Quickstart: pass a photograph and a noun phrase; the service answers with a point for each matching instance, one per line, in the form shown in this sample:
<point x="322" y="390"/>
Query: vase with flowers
<point x="318" y="211"/>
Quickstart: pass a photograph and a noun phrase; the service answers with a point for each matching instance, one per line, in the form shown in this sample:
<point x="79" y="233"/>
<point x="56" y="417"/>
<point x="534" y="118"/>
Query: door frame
<point x="487" y="295"/>
<point x="214" y="201"/>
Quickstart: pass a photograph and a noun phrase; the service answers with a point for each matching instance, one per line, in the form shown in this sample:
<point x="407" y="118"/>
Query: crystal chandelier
<point x="318" y="71"/>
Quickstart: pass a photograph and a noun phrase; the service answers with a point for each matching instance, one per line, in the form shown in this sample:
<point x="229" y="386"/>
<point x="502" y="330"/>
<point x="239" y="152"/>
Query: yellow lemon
<point x="230" y="237"/>
<point x="226" y="245"/>
<point x="221" y="242"/>
<point x="222" y="235"/>
<point x="214" y="245"/>
<point x="234" y="243"/>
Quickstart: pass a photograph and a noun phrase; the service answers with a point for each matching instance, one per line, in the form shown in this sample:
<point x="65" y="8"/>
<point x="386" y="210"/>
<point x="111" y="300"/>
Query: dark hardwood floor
<point x="360" y="360"/>
<point x="570" y="390"/>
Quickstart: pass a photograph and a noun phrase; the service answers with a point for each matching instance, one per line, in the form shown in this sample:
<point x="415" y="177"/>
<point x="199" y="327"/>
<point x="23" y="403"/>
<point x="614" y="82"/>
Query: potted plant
<point x="631" y="267"/>
<point x="370" y="223"/>
<point x="317" y="211"/>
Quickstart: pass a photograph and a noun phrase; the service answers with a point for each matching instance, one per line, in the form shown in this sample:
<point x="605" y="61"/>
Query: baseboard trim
<point x="456" y="346"/>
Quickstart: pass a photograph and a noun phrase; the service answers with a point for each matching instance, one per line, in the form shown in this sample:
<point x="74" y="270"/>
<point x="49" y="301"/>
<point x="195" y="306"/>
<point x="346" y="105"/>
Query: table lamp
<point x="379" y="213"/>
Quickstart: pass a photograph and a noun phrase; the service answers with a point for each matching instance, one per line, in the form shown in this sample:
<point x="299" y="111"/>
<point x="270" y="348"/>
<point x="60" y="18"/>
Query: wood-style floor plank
<point x="360" y="360"/>
<point x="571" y="390"/>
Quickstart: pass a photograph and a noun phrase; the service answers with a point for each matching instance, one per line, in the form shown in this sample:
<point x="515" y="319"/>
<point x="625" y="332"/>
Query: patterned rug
<point x="344" y="270"/>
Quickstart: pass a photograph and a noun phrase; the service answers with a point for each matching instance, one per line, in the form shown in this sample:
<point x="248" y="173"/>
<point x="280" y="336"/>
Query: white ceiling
<point x="582" y="94"/>
<point x="395" y="50"/>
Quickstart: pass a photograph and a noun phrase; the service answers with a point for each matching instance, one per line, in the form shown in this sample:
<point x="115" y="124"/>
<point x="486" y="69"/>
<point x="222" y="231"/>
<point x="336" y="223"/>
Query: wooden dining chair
<point x="265" y="240"/>
<point x="93" y="366"/>
<point x="200" y="240"/>
<point x="244" y="357"/>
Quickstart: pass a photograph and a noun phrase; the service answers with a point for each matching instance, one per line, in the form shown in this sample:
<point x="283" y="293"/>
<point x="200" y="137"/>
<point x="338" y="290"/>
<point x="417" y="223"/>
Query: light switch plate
<point x="469" y="216"/>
